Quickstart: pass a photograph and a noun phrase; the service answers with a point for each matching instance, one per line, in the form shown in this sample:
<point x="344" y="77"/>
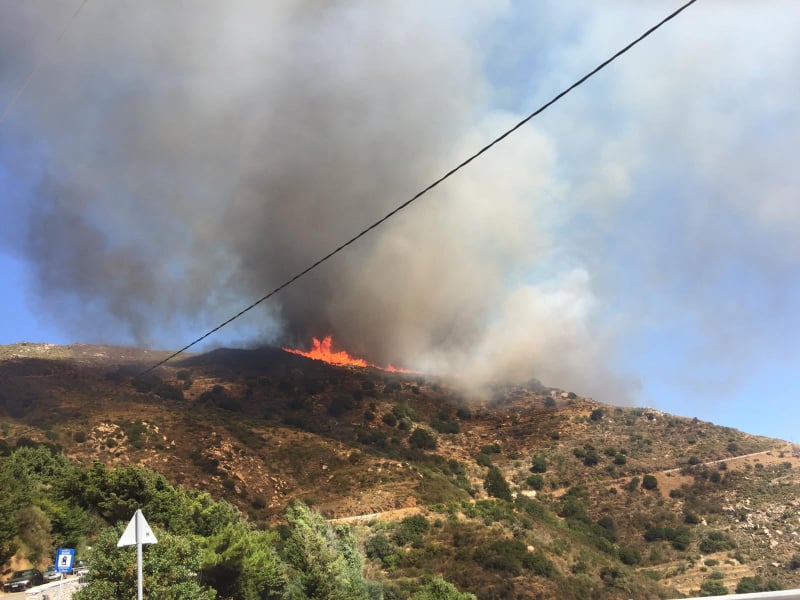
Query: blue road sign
<point x="64" y="559"/>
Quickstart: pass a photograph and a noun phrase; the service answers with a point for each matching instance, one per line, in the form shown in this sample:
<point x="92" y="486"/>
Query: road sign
<point x="137" y="532"/>
<point x="64" y="559"/>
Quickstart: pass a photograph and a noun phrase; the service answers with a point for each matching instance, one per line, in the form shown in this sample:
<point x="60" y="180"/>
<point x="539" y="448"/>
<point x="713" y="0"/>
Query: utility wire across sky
<point x="425" y="190"/>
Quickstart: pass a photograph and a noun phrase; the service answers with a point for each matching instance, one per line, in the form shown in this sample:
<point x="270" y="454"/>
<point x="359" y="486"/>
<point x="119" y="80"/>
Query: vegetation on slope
<point x="522" y="491"/>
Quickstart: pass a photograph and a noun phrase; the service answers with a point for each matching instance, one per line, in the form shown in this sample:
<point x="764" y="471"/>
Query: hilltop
<point x="526" y="491"/>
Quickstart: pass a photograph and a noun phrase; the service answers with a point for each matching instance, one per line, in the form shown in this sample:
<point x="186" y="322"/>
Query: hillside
<point x="602" y="501"/>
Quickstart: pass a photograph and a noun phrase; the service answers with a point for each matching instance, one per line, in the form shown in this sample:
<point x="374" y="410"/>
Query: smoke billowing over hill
<point x="188" y="159"/>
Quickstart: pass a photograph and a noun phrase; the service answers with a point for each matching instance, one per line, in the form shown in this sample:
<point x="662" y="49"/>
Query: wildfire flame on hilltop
<point x="321" y="350"/>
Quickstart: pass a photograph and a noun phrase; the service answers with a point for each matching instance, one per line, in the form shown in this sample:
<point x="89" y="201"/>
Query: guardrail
<point x="56" y="590"/>
<point x="781" y="595"/>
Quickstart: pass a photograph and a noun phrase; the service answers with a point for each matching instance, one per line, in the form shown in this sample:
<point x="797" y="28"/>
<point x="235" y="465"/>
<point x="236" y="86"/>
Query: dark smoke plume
<point x="183" y="158"/>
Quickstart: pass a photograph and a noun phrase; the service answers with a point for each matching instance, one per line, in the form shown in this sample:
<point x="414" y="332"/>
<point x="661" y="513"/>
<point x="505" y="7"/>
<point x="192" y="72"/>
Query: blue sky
<point x="637" y="242"/>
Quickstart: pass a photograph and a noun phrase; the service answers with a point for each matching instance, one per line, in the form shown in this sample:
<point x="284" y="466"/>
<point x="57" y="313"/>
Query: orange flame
<point x="322" y="350"/>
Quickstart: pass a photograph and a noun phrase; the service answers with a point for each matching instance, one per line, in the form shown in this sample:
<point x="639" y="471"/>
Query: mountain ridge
<point x="263" y="427"/>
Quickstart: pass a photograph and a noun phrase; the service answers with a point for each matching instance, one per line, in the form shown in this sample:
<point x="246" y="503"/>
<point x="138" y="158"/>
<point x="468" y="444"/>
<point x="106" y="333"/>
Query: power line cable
<point x="15" y="98"/>
<point x="427" y="189"/>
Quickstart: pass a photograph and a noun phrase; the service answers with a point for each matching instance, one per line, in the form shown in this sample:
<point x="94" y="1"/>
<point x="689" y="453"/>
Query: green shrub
<point x="512" y="556"/>
<point x="535" y="482"/>
<point x="445" y="425"/>
<point x="716" y="541"/>
<point x="538" y="564"/>
<point x="572" y="507"/>
<point x="410" y="530"/>
<point x="588" y="454"/>
<point x="484" y="460"/>
<point x="402" y="411"/>
<point x="713" y="587"/>
<point x="539" y="464"/>
<point x="371" y="437"/>
<point x="649" y="482"/>
<point x="422" y="439"/>
<point x="379" y="546"/>
<point x="749" y="585"/>
<point x="629" y="556"/>
<point x="533" y="508"/>
<point x="496" y="485"/>
<point x="679" y="537"/>
<point x="691" y="518"/>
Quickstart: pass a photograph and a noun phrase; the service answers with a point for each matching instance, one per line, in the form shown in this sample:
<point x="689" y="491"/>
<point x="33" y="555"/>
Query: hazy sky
<point x="637" y="242"/>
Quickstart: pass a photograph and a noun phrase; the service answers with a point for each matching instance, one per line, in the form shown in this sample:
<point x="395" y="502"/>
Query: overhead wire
<point x="427" y="189"/>
<point x="15" y="98"/>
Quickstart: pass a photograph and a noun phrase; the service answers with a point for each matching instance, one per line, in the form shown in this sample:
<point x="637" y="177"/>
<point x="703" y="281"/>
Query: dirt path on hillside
<point x="674" y="479"/>
<point x="395" y="514"/>
<point x="730" y="460"/>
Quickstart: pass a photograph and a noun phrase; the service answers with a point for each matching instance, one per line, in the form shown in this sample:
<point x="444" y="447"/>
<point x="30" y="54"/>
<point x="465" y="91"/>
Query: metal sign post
<point x="137" y="532"/>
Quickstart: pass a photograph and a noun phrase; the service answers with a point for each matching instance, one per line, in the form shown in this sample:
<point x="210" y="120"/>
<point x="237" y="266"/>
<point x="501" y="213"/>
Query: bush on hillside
<point x="649" y="482"/>
<point x="422" y="439"/>
<point x="496" y="485"/>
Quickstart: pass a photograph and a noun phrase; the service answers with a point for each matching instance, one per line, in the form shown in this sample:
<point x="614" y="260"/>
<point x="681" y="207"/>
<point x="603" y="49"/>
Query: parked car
<point x="22" y="580"/>
<point x="51" y="574"/>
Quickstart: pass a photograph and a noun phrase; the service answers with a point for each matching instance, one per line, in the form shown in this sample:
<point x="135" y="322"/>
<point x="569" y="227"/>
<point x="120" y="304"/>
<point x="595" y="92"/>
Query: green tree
<point x="16" y="492"/>
<point x="439" y="589"/>
<point x="496" y="485"/>
<point x="34" y="532"/>
<point x="243" y="563"/>
<point x="327" y="565"/>
<point x="170" y="568"/>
